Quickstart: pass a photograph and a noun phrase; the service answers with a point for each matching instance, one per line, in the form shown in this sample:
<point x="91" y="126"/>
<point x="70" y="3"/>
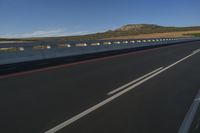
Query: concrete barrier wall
<point x="22" y="52"/>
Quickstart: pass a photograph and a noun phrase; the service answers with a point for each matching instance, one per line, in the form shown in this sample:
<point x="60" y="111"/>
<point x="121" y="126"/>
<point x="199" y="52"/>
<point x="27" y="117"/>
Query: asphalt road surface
<point x="148" y="91"/>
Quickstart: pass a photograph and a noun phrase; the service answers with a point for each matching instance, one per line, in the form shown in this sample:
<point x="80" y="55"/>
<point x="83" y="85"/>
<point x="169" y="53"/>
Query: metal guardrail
<point x="14" y="53"/>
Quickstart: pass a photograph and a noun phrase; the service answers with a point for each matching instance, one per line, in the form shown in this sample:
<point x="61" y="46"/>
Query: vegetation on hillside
<point x="195" y="35"/>
<point x="14" y="39"/>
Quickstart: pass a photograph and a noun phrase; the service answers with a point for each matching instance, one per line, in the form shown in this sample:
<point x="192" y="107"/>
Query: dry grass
<point x="157" y="35"/>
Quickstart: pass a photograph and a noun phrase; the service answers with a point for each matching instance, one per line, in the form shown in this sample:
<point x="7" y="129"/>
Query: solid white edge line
<point x="187" y="122"/>
<point x="95" y="107"/>
<point x="132" y="82"/>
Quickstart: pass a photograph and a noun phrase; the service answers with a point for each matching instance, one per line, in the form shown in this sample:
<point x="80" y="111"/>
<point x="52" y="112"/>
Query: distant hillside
<point x="131" y="29"/>
<point x="138" y="27"/>
<point x="14" y="39"/>
<point x="126" y="30"/>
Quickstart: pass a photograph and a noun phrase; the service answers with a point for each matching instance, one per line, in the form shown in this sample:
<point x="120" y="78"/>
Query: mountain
<point x="137" y="27"/>
<point x="126" y="30"/>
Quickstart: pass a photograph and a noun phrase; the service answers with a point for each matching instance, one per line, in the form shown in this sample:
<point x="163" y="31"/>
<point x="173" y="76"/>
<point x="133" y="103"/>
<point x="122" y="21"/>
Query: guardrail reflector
<point x="95" y="44"/>
<point x="117" y="42"/>
<point x="81" y="44"/>
<point x="39" y="47"/>
<point x="64" y="45"/>
<point x="107" y="43"/>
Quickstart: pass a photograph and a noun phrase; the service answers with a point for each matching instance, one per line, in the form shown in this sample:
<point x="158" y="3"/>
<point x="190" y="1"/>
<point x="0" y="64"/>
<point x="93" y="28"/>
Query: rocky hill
<point x="137" y="27"/>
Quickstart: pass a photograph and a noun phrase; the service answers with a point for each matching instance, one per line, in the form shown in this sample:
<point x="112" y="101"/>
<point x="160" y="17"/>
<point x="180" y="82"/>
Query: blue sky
<point x="32" y="18"/>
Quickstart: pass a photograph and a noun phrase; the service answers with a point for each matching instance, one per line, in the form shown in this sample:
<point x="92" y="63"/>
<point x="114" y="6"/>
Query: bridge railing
<point x="22" y="52"/>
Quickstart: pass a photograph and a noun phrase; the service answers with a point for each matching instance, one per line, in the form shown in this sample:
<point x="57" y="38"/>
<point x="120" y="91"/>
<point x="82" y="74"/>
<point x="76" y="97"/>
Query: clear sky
<point x="30" y="18"/>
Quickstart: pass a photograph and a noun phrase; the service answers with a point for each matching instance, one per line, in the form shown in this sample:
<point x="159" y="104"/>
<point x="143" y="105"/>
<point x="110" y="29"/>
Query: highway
<point x="147" y="91"/>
